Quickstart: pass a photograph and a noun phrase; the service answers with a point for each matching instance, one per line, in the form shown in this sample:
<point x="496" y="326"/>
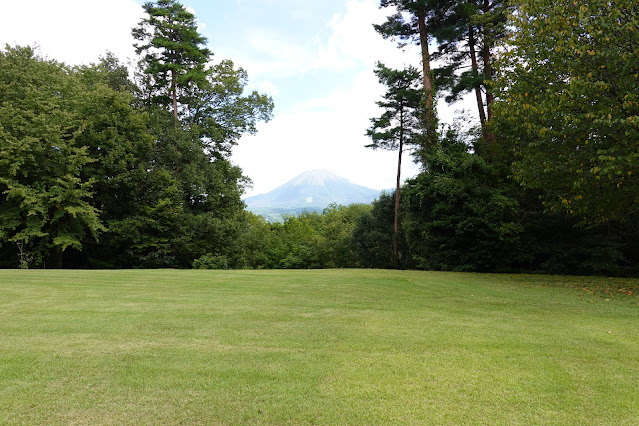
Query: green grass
<point x="327" y="347"/>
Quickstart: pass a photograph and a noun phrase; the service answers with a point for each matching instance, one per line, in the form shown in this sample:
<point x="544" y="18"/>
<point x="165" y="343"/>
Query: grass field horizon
<point x="316" y="347"/>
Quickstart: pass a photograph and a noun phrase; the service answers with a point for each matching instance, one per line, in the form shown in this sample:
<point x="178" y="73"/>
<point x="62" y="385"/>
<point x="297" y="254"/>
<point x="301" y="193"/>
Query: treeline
<point x="462" y="215"/>
<point x="548" y="182"/>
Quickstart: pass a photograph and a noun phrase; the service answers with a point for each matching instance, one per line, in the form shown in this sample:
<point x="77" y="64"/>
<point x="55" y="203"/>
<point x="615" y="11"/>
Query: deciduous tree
<point x="45" y="197"/>
<point x="569" y="104"/>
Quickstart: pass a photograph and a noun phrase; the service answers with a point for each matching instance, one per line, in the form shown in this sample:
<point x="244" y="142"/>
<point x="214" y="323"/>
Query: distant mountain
<point x="311" y="191"/>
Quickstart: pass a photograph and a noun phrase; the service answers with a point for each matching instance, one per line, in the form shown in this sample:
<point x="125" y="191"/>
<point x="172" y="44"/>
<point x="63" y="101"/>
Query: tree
<point x="338" y="223"/>
<point x="174" y="59"/>
<point x="467" y="33"/>
<point x="568" y="104"/>
<point x="411" y="23"/>
<point x="45" y="196"/>
<point x="459" y="215"/>
<point x="399" y="124"/>
<point x="373" y="235"/>
<point x="214" y="112"/>
<point x="221" y="112"/>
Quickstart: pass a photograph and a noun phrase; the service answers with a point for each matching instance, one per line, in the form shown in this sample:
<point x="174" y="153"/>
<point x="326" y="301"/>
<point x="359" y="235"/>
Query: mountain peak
<point x="318" y="177"/>
<point x="312" y="190"/>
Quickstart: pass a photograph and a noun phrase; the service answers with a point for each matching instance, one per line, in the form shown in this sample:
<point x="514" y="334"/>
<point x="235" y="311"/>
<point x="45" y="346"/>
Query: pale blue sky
<point x="315" y="58"/>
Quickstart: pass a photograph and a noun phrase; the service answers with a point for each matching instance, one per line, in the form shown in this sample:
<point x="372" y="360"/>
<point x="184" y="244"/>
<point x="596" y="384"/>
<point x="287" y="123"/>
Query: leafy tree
<point x="117" y="139"/>
<point x="460" y="215"/>
<point x="174" y="57"/>
<point x="399" y="124"/>
<point x="45" y="197"/>
<point x="256" y="243"/>
<point x="338" y="223"/>
<point x="463" y="215"/>
<point x="214" y="113"/>
<point x="553" y="243"/>
<point x="568" y="104"/>
<point x="373" y="236"/>
<point x="309" y="240"/>
<point x="221" y="112"/>
<point x="208" y="261"/>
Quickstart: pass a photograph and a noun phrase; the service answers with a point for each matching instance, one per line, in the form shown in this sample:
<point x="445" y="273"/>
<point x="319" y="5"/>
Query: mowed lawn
<point x="316" y="347"/>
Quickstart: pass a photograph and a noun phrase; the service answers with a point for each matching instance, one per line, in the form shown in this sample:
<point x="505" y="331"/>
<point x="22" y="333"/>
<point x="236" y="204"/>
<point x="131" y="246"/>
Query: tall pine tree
<point x="174" y="54"/>
<point x="399" y="124"/>
<point x="412" y="24"/>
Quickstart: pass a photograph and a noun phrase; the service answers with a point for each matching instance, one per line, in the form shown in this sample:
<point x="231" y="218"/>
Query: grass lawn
<point x="328" y="347"/>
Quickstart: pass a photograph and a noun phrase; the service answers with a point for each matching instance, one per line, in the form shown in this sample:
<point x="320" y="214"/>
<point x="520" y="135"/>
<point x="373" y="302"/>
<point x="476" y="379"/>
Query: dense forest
<point x="100" y="168"/>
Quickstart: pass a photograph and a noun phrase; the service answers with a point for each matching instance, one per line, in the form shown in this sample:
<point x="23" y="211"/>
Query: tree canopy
<point x="569" y="105"/>
<point x="97" y="171"/>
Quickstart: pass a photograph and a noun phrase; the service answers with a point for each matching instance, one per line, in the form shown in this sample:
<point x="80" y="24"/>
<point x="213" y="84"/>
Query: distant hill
<point x="311" y="191"/>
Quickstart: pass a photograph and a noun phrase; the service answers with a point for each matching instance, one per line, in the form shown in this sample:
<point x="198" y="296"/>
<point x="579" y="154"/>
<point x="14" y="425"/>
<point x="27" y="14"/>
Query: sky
<point x="314" y="58"/>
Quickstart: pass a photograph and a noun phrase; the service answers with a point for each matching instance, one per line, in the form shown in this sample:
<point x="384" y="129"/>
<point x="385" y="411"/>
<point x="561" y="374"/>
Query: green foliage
<point x="458" y="215"/>
<point x="209" y="261"/>
<point x="339" y="225"/>
<point x="174" y="60"/>
<point x="466" y="33"/>
<point x="82" y="157"/>
<point x="404" y="24"/>
<point x="400" y="124"/>
<point x="256" y="243"/>
<point x="221" y="112"/>
<point x="569" y="105"/>
<point x="412" y="23"/>
<point x="309" y="240"/>
<point x="373" y="235"/>
<point x="402" y="104"/>
<point x="45" y="202"/>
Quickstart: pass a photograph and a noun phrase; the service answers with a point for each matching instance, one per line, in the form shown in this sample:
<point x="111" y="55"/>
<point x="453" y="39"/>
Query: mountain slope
<point x="313" y="190"/>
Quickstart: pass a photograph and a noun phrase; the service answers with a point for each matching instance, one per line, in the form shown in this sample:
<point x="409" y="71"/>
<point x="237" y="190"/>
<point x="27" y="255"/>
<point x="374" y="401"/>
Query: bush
<point x="209" y="261"/>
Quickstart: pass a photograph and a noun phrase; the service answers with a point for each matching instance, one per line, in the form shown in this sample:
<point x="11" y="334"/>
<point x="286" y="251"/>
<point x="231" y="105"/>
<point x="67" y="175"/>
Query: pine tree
<point x="411" y="23"/>
<point x="466" y="34"/>
<point x="399" y="125"/>
<point x="174" y="56"/>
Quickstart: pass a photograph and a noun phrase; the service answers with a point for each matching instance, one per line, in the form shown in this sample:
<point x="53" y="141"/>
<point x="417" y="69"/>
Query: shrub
<point x="209" y="261"/>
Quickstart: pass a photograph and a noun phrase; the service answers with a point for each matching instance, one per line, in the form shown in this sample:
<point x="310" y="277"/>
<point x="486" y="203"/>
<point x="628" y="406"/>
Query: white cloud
<point x="72" y="31"/>
<point x="354" y="40"/>
<point x="268" y="87"/>
<point x="352" y="43"/>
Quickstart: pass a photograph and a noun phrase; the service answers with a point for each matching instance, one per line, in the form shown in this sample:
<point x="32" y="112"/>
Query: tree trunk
<point x="429" y="115"/>
<point x="174" y="95"/>
<point x="397" y="189"/>
<point x="488" y="70"/>
<point x="174" y="90"/>
<point x="473" y="59"/>
<point x="490" y="137"/>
